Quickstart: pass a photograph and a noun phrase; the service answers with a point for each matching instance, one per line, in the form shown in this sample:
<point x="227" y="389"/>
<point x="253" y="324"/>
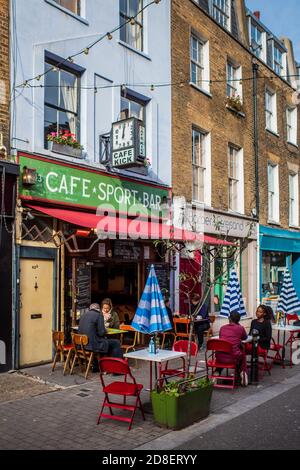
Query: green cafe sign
<point x="70" y="185"/>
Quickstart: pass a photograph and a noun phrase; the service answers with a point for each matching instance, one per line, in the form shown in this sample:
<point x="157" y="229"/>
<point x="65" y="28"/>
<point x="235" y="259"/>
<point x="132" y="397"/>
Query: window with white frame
<point x="199" y="55"/>
<point x="291" y="125"/>
<point x="294" y="199"/>
<point x="132" y="32"/>
<point x="271" y="111"/>
<point x="201" y="166"/>
<point x="62" y="101"/>
<point x="273" y="193"/>
<point x="278" y="61"/>
<point x="234" y="85"/>
<point x="256" y="40"/>
<point x="220" y="10"/>
<point x="235" y="179"/>
<point x="72" y="5"/>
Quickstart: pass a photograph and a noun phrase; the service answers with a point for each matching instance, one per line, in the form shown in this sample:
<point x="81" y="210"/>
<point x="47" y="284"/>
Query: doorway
<point x="36" y="311"/>
<point x="119" y="282"/>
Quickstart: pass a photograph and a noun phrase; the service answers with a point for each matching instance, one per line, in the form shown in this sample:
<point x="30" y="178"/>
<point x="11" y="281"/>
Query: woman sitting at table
<point x="263" y="325"/>
<point x="234" y="333"/>
<point x="111" y="318"/>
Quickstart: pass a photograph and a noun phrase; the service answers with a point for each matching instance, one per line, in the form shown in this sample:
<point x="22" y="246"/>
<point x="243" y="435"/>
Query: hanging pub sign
<point x="128" y="143"/>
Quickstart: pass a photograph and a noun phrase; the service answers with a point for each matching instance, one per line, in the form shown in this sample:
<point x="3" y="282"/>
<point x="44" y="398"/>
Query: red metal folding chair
<point x="112" y="365"/>
<point x="214" y="346"/>
<point x="291" y="317"/>
<point x="182" y="346"/>
<point x="277" y="349"/>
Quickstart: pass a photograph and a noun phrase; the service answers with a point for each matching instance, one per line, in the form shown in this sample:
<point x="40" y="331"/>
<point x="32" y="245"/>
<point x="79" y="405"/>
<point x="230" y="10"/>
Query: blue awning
<point x="272" y="239"/>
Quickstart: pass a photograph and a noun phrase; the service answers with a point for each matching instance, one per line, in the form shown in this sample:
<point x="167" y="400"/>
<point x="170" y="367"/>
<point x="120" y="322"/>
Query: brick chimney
<point x="257" y="14"/>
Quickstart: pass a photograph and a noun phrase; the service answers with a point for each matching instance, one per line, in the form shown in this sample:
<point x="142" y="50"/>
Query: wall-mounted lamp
<point x="29" y="176"/>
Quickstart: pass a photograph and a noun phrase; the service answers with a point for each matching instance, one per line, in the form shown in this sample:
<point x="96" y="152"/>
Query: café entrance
<point x="119" y="282"/>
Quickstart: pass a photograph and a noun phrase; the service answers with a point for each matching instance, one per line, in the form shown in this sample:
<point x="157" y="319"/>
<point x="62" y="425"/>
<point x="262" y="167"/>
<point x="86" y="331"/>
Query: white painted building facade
<point x="51" y="30"/>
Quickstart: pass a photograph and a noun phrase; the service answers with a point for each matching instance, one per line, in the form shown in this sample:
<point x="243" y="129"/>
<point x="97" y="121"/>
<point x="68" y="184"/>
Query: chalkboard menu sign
<point x="162" y="271"/>
<point x="83" y="286"/>
<point x="127" y="250"/>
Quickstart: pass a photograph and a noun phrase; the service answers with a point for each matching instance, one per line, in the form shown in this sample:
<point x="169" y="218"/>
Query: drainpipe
<point x="255" y="136"/>
<point x="256" y="159"/>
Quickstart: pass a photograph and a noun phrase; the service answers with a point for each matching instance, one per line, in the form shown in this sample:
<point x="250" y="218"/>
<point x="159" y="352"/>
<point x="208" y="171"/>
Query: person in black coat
<point x="92" y="324"/>
<point x="263" y="325"/>
<point x="201" y="322"/>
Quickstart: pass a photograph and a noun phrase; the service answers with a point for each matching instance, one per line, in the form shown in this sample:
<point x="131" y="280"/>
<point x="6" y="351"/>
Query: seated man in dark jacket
<point x="92" y="324"/>
<point x="201" y="321"/>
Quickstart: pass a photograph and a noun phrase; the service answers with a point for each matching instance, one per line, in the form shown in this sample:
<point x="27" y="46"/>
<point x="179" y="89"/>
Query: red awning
<point x="133" y="228"/>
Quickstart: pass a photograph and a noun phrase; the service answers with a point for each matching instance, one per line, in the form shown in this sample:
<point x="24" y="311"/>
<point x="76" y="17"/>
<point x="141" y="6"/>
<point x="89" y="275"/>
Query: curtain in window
<point x="69" y="97"/>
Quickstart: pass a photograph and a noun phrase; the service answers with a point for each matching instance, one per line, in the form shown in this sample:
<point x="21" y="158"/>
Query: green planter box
<point x="179" y="412"/>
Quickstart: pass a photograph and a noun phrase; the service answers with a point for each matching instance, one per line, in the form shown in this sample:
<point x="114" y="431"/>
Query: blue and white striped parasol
<point x="233" y="301"/>
<point x="151" y="315"/>
<point x="289" y="301"/>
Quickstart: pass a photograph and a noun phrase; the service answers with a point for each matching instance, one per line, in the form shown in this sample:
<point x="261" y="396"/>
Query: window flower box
<point x="234" y="104"/>
<point x="64" y="143"/>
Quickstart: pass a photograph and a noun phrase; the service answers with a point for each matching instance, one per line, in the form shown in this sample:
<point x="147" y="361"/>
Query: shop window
<point x="62" y="101"/>
<point x="132" y="32"/>
<point x="223" y="265"/>
<point x="273" y="268"/>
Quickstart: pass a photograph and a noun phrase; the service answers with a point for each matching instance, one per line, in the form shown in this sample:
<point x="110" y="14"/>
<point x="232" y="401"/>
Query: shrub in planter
<point x="179" y="404"/>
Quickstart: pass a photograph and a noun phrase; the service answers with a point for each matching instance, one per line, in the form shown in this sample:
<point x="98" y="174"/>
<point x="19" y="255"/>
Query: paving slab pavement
<point x="64" y="416"/>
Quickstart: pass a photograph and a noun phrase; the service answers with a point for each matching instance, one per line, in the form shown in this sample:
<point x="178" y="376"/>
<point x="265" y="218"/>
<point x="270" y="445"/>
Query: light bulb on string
<point x="86" y="50"/>
<point x="39" y="77"/>
<point x="132" y="21"/>
<point x="70" y="59"/>
<point x="152" y="88"/>
<point x="95" y="90"/>
<point x="109" y="36"/>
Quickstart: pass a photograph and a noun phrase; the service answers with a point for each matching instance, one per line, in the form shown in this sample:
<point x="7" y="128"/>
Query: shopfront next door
<point x="36" y="311"/>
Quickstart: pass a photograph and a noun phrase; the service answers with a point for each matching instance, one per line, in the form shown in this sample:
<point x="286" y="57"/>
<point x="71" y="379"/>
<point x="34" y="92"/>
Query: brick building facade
<point x="219" y="50"/>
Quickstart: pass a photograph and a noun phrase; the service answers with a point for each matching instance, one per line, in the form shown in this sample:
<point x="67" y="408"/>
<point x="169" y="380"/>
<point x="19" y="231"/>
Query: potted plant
<point x="64" y="142"/>
<point x="234" y="103"/>
<point x="180" y="404"/>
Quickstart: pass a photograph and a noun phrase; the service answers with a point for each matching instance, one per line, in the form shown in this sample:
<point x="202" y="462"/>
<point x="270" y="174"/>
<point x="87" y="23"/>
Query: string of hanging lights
<point x="86" y="50"/>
